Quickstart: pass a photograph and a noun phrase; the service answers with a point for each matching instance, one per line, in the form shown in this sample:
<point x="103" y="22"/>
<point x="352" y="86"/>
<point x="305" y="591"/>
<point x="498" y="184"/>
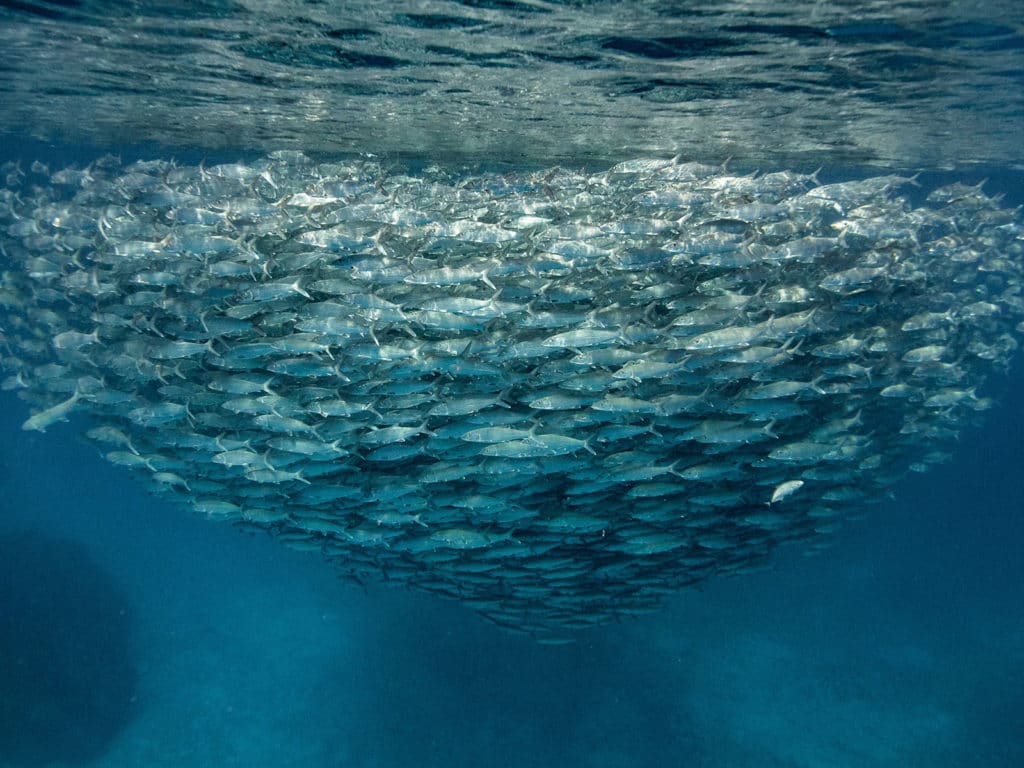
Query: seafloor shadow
<point x="67" y="675"/>
<point x="439" y="684"/>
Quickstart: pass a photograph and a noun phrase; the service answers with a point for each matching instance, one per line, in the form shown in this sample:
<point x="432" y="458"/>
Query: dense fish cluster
<point x="554" y="396"/>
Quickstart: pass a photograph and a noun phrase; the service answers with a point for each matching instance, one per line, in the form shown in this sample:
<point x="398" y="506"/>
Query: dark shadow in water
<point x="440" y="688"/>
<point x="67" y="675"/>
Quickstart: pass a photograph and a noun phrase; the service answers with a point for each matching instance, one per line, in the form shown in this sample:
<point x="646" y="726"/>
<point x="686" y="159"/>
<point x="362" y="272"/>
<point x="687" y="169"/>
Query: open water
<point x="135" y="633"/>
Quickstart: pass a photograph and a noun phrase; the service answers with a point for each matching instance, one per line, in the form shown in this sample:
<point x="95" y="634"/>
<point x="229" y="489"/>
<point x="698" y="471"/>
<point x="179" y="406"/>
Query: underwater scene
<point x="511" y="382"/>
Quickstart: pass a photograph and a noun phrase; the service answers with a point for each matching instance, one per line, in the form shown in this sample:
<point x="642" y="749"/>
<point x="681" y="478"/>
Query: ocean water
<point x="135" y="633"/>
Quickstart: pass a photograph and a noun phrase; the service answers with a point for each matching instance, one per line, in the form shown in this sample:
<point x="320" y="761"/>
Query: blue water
<point x="135" y="634"/>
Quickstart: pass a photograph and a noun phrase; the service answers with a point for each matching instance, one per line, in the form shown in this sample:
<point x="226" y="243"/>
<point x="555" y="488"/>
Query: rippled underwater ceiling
<point x="922" y="84"/>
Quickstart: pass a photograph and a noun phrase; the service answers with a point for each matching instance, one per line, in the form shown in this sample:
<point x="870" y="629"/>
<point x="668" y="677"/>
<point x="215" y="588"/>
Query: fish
<point x="785" y="489"/>
<point x="49" y="416"/>
<point x="554" y="395"/>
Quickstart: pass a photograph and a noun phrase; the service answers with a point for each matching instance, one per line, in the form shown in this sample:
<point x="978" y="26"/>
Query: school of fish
<point x="555" y="396"/>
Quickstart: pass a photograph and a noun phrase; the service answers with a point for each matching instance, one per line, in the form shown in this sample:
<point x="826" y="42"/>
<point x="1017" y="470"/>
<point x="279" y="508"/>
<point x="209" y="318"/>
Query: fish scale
<point x="559" y="417"/>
